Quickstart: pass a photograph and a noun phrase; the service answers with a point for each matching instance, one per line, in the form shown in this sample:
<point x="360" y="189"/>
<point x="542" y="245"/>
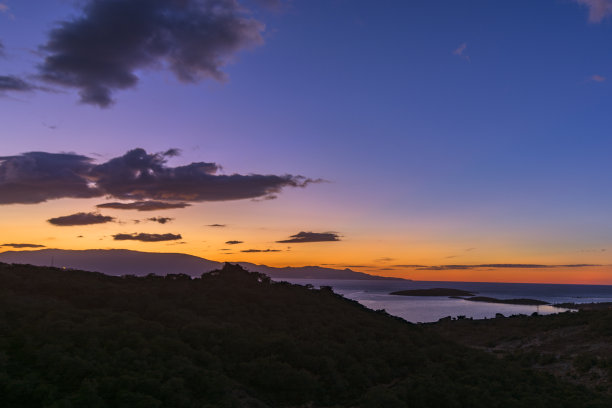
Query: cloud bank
<point x="36" y="177"/>
<point x="80" y="219"/>
<point x="101" y="50"/>
<point x="303" y="237"/>
<point x="144" y="237"/>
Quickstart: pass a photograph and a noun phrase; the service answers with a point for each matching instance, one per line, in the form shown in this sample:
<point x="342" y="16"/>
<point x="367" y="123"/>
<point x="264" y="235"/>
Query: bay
<point x="374" y="294"/>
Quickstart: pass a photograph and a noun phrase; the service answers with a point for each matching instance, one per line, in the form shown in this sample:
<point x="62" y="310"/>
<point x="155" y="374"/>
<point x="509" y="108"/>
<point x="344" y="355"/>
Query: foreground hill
<point x="575" y="347"/>
<point x="119" y="262"/>
<point x="236" y="339"/>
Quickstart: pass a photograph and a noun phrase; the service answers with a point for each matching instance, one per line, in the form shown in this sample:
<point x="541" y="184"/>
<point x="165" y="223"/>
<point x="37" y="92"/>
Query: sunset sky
<point x="385" y="136"/>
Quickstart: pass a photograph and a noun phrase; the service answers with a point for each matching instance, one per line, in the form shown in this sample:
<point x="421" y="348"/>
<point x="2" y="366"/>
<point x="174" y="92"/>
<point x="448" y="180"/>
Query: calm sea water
<point x="375" y="295"/>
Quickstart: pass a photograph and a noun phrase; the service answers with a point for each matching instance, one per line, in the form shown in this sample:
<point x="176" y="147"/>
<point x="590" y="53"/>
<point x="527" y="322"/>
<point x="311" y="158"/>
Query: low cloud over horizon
<point x="23" y="245"/>
<point x="36" y="177"/>
<point x="303" y="237"/>
<point x="497" y="266"/>
<point x="80" y="219"/>
<point x="144" y="205"/>
<point x="260" y="250"/>
<point x="145" y="237"/>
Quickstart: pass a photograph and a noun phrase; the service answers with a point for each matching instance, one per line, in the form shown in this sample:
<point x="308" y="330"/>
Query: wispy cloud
<point x="144" y="237"/>
<point x="598" y="9"/>
<point x="80" y="219"/>
<point x="260" y="250"/>
<point x="303" y="237"/>
<point x="234" y="242"/>
<point x="460" y="51"/>
<point x="597" y="78"/>
<point x="217" y="225"/>
<point x="36" y="177"/>
<point x="5" y="9"/>
<point x="14" y="83"/>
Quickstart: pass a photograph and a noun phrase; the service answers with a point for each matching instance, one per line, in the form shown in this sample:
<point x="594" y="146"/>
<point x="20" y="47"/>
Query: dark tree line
<point x="235" y="339"/>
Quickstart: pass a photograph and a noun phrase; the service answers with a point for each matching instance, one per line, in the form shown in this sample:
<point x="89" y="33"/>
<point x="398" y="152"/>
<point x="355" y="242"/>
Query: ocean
<point x="374" y="294"/>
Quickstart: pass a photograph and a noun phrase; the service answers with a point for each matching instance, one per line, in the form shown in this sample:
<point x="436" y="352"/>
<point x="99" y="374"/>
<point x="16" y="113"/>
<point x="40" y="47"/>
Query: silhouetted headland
<point x="533" y="302"/>
<point x="433" y="292"/>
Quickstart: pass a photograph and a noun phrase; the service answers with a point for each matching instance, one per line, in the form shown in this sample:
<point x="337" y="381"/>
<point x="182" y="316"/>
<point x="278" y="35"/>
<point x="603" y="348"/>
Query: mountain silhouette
<point x="119" y="262"/>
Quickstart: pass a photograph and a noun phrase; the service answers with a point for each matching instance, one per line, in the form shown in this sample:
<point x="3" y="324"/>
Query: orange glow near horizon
<point x="378" y="250"/>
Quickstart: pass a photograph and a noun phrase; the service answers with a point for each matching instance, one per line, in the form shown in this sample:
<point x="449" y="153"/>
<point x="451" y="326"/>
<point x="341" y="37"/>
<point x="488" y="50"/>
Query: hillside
<point x="575" y="347"/>
<point x="236" y="339"/>
<point x="117" y="262"/>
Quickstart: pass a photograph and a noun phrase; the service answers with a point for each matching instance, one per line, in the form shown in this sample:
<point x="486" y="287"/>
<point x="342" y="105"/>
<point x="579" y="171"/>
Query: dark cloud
<point x="23" y="245"/>
<point x="260" y="250"/>
<point x="161" y="220"/>
<point x="37" y="177"/>
<point x="217" y="225"/>
<point x="302" y="237"/>
<point x="384" y="259"/>
<point x="1" y="49"/>
<point x="13" y="83"/>
<point x="80" y="219"/>
<point x="138" y="175"/>
<point x="100" y="51"/>
<point x="445" y="267"/>
<point x="234" y="242"/>
<point x="144" y="205"/>
<point x="144" y="237"/>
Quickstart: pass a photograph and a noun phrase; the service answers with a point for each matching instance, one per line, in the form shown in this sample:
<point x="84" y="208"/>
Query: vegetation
<point x="235" y="339"/>
<point x="573" y="346"/>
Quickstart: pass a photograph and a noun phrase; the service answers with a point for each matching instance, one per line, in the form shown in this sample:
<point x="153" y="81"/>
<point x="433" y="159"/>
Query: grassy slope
<point x="575" y="347"/>
<point x="233" y="339"/>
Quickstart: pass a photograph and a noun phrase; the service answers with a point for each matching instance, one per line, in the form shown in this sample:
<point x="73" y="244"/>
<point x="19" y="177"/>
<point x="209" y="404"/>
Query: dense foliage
<point x="235" y="339"/>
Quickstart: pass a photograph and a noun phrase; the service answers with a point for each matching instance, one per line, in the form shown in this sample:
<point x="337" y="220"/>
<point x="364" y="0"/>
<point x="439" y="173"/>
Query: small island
<point x="433" y="292"/>
<point x="529" y="302"/>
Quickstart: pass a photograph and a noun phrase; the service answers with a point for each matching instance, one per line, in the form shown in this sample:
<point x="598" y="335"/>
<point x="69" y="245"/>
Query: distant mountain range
<point x="125" y="262"/>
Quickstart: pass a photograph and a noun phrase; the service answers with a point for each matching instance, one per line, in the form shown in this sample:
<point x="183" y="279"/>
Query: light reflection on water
<point x="418" y="309"/>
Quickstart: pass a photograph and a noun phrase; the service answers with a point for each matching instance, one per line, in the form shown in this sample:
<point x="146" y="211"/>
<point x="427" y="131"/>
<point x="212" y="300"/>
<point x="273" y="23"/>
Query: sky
<point x="394" y="137"/>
